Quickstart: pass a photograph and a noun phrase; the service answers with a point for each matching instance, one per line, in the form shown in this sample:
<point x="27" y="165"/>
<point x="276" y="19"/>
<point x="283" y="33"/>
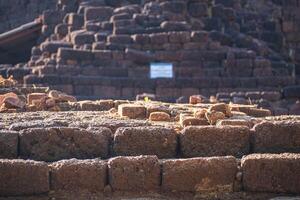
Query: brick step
<point x="52" y="144"/>
<point x="203" y="176"/>
<point x="115" y="68"/>
<point x="116" y="87"/>
<point x="23" y="90"/>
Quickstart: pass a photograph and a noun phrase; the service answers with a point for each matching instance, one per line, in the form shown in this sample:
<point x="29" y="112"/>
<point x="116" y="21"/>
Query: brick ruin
<point x="149" y="150"/>
<point x="55" y="145"/>
<point x="103" y="49"/>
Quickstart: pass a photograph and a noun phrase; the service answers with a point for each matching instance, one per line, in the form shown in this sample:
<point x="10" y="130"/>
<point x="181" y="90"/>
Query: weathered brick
<point x="35" y="96"/>
<point x="74" y="175"/>
<point x="53" y="144"/>
<point x="157" y="141"/>
<point x="53" y="46"/>
<point x="98" y="13"/>
<point x="179" y="37"/>
<point x="61" y="29"/>
<point x="140" y="57"/>
<point x="72" y="54"/>
<point x="235" y="122"/>
<point x="141" y="39"/>
<point x="276" y="173"/>
<point x="175" y="26"/>
<point x="76" y="21"/>
<point x="159" y="38"/>
<point x="159" y="116"/>
<point x="134" y="173"/>
<point x="132" y="111"/>
<point x="214" y="141"/>
<point x="82" y="37"/>
<point x="215" y="174"/>
<point x="8" y="144"/>
<point x="200" y="36"/>
<point x="20" y="177"/>
<point x="120" y="39"/>
<point x="276" y="137"/>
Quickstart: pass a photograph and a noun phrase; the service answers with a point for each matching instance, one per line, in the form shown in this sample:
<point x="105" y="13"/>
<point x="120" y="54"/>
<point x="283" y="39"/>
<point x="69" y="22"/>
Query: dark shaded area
<point x="15" y="45"/>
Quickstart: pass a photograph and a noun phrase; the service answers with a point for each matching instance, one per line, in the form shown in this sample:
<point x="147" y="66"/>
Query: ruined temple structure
<point x="233" y="133"/>
<point x="120" y="149"/>
<point x="103" y="49"/>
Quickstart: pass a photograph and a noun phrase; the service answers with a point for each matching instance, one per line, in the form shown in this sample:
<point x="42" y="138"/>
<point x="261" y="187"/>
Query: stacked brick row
<point x="106" y="51"/>
<point x="52" y="144"/>
<point x="214" y="175"/>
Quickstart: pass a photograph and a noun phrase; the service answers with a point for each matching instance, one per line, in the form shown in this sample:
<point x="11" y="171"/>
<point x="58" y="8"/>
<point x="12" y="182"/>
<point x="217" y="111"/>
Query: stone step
<point x="212" y="176"/>
<point x="52" y="144"/>
<point x="118" y="87"/>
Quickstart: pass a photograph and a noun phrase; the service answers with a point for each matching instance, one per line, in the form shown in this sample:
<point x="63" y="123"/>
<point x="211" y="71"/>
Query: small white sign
<point x="161" y="70"/>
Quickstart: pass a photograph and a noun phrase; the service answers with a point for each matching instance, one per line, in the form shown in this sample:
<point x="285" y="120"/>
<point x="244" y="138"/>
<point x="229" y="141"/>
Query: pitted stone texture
<point x="278" y="173"/>
<point x="132" y="111"/>
<point x="215" y="141"/>
<point x="277" y="137"/>
<point x="136" y="141"/>
<point x="53" y="144"/>
<point x="134" y="173"/>
<point x="235" y="122"/>
<point x="199" y="174"/>
<point x="8" y="144"/>
<point x="20" y="177"/>
<point x="74" y="175"/>
<point x="98" y="13"/>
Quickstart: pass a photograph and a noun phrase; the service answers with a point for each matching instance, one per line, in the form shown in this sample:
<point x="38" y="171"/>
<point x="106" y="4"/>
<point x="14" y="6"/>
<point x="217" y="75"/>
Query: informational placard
<point x="161" y="70"/>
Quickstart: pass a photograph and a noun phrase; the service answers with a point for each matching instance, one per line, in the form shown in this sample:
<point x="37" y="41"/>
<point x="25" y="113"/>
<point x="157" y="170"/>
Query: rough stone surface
<point x="20" y="177"/>
<point x="276" y="137"/>
<point x="278" y="173"/>
<point x="53" y="144"/>
<point x="159" y="116"/>
<point x="132" y="111"/>
<point x="235" y="122"/>
<point x="199" y="174"/>
<point x="8" y="144"/>
<point x="145" y="141"/>
<point x="214" y="141"/>
<point x="134" y="173"/>
<point x="74" y="175"/>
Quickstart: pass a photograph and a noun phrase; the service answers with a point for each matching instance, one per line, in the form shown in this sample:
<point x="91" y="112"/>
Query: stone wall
<point x="74" y="164"/>
<point x="103" y="49"/>
<point x="41" y="144"/>
<point x="127" y="150"/>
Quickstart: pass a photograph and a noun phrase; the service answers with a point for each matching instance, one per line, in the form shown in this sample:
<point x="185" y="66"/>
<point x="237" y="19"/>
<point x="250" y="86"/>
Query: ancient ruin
<point x="150" y="99"/>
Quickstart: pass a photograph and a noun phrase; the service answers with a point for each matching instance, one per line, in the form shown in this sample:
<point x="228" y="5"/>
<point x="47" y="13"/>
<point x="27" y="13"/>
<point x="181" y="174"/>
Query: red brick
<point x="53" y="144"/>
<point x="8" y="144"/>
<point x="157" y="141"/>
<point x="20" y="177"/>
<point x="214" y="141"/>
<point x="74" y="175"/>
<point x="199" y="174"/>
<point x="134" y="173"/>
<point x="276" y="173"/>
<point x="277" y="137"/>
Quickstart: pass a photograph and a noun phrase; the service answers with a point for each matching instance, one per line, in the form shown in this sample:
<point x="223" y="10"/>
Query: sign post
<point x="161" y="70"/>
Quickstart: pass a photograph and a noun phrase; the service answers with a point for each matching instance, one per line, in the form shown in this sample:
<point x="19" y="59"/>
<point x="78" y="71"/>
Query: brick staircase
<point x="103" y="50"/>
<point x="91" y="156"/>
